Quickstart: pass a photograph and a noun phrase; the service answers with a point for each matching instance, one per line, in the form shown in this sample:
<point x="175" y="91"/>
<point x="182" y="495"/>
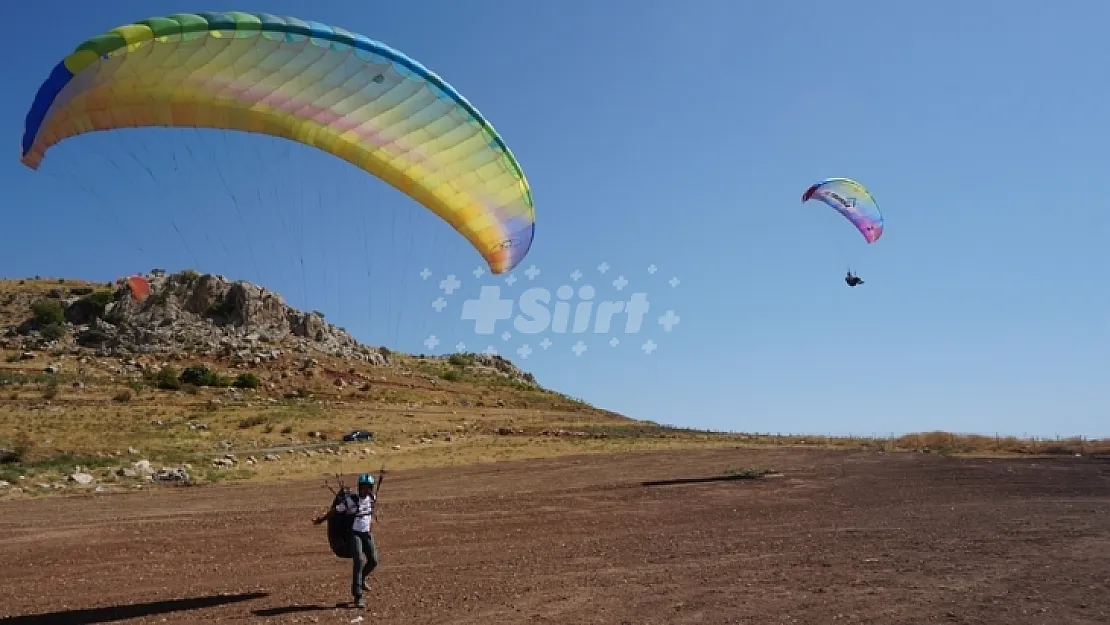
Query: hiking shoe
<point x="366" y="586"/>
<point x="359" y="603"/>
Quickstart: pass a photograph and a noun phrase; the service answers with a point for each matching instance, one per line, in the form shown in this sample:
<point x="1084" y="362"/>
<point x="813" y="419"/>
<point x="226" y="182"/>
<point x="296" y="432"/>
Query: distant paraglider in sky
<point x="853" y="201"/>
<point x="318" y="85"/>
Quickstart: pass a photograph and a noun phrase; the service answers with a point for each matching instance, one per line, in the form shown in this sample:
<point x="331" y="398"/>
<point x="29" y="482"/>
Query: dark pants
<point x="362" y="543"/>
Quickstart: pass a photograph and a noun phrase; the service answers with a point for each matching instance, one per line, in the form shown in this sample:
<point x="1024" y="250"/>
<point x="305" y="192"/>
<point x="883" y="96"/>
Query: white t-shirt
<point x="362" y="516"/>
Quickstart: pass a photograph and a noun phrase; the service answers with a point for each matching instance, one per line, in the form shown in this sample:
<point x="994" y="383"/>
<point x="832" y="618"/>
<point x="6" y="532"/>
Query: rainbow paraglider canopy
<point x="853" y="201"/>
<point x="319" y="85"/>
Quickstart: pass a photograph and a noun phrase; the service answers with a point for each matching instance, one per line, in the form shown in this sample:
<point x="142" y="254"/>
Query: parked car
<point x="358" y="435"/>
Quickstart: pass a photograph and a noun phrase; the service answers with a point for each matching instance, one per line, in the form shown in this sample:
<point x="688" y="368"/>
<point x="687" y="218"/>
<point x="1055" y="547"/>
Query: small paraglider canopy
<point x="853" y="201"/>
<point x="137" y="286"/>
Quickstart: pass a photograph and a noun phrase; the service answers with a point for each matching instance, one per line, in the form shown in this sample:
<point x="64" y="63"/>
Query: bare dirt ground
<point x="841" y="537"/>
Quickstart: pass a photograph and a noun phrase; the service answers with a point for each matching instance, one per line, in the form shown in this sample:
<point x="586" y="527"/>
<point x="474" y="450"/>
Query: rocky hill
<point x="186" y="314"/>
<point x="107" y="384"/>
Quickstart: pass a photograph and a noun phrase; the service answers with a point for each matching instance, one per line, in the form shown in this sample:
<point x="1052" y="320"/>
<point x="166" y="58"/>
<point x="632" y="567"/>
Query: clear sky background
<point x="679" y="135"/>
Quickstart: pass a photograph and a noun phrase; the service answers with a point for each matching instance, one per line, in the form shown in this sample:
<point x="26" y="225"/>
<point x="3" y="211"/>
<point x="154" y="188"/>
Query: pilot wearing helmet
<point x="361" y="508"/>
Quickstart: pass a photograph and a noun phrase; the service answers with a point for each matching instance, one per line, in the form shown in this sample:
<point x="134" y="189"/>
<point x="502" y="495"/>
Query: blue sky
<point x="682" y="139"/>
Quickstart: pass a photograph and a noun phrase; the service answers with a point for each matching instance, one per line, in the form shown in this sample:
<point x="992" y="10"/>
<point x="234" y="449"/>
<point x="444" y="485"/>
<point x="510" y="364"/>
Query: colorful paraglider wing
<point x="853" y="201"/>
<point x="139" y="287"/>
<point x="322" y="86"/>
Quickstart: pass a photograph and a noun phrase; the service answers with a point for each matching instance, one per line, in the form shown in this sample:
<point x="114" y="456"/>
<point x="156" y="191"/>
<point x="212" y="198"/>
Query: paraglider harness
<point x="852" y="279"/>
<point x="340" y="525"/>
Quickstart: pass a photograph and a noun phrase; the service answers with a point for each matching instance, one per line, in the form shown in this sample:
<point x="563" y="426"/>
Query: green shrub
<point x="461" y="360"/>
<point x="196" y="375"/>
<point x="99" y="298"/>
<point x="246" y="380"/>
<point x="47" y="312"/>
<point x="91" y="306"/>
<point x="200" y="375"/>
<point x="451" y="375"/>
<point x="166" y="379"/>
<point x="53" y="331"/>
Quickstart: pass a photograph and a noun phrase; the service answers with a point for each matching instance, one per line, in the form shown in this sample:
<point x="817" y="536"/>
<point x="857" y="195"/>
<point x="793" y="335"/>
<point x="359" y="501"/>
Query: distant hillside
<point x="234" y="326"/>
<point x="205" y="365"/>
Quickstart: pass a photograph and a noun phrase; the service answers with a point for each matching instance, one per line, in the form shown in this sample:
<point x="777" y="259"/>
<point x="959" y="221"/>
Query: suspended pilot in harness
<point x="852" y="279"/>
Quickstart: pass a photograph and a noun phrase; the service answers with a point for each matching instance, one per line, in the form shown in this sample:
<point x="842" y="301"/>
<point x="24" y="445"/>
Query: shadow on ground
<point x="701" y="480"/>
<point x="110" y="614"/>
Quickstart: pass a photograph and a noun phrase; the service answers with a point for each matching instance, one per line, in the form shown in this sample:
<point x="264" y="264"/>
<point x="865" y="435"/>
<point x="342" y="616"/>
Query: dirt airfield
<point x="839" y="537"/>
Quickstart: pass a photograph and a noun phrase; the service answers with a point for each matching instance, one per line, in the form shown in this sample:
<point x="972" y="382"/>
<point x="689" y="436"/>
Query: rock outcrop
<point x="504" y="367"/>
<point x="187" y="311"/>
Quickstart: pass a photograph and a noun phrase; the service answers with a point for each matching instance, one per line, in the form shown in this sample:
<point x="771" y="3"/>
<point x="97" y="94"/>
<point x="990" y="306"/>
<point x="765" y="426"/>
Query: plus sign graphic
<point x="487" y="310"/>
<point x="669" y="320"/>
<point x="449" y="284"/>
